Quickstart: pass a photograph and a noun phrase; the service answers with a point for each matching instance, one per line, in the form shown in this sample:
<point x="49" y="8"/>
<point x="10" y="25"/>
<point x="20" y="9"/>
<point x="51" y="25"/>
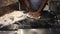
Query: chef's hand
<point x="34" y="14"/>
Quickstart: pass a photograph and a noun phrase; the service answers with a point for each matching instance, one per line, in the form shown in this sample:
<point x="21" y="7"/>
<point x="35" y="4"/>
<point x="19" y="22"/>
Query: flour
<point x="12" y="17"/>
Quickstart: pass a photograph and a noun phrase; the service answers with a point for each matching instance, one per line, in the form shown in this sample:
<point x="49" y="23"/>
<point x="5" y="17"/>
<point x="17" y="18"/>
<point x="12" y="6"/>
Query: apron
<point x="35" y="4"/>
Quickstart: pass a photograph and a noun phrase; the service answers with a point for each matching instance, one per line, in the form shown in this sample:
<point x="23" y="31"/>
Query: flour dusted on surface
<point x="12" y="17"/>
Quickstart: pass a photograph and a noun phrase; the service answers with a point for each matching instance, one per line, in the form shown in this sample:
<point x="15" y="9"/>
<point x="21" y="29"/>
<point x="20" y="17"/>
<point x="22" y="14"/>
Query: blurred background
<point x="7" y="6"/>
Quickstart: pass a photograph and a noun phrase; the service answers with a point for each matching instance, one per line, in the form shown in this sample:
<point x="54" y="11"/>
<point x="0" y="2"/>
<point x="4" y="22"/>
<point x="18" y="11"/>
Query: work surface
<point x="18" y="19"/>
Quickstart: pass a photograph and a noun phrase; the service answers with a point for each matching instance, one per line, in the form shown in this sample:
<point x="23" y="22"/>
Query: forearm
<point x="42" y="5"/>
